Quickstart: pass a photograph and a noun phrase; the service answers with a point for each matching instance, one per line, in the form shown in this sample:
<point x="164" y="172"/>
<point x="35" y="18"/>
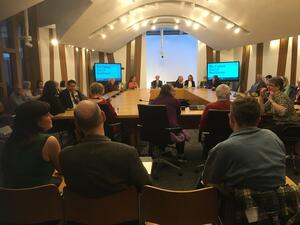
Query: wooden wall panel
<point x="217" y="59"/>
<point x="209" y="54"/>
<point x="259" y="58"/>
<point x="88" y="70"/>
<point x="101" y="57"/>
<point x="80" y="70"/>
<point x="138" y="58"/>
<point x="110" y="57"/>
<point x="282" y="56"/>
<point x="51" y="54"/>
<point x="63" y="63"/>
<point x="128" y="61"/>
<point x="245" y="68"/>
<point x="294" y="60"/>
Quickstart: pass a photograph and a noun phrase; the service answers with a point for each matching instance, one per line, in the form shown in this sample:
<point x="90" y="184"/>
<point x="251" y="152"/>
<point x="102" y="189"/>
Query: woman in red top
<point x="132" y="84"/>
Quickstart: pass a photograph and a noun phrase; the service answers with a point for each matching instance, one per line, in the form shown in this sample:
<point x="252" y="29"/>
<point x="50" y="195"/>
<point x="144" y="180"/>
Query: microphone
<point x="142" y="100"/>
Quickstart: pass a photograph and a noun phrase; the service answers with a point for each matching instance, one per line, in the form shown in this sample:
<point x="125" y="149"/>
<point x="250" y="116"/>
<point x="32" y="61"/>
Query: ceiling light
<point x="123" y="19"/>
<point x="83" y="48"/>
<point x="136" y="26"/>
<point x="237" y="30"/>
<point x="103" y="36"/>
<point x="111" y="27"/>
<point x="205" y="13"/>
<point x="76" y="49"/>
<point x="176" y="27"/>
<point x="217" y="18"/>
<point x="196" y="26"/>
<point x="155" y="20"/>
<point x="229" y="26"/>
<point x="87" y="50"/>
<point x="188" y="23"/>
<point x="93" y="50"/>
<point x="54" y="41"/>
<point x="177" y="20"/>
<point x="153" y="27"/>
<point x="145" y="23"/>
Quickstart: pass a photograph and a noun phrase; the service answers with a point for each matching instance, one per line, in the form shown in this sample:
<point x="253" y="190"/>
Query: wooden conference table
<point x="125" y="104"/>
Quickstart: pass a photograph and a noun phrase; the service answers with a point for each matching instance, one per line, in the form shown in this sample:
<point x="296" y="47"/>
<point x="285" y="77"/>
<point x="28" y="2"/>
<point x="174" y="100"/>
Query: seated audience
<point x="62" y="85"/>
<point x="29" y="156"/>
<point x="297" y="98"/>
<point x="70" y="97"/>
<point x="251" y="157"/>
<point x="279" y="104"/>
<point x="27" y="90"/>
<point x="50" y="95"/>
<point x="96" y="166"/>
<point x="96" y="95"/>
<point x="16" y="98"/>
<point x="255" y="88"/>
<point x="179" y="82"/>
<point x="39" y="88"/>
<point x="132" y="84"/>
<point x="166" y="97"/>
<point x="267" y="78"/>
<point x="223" y="102"/>
<point x="214" y="83"/>
<point x="189" y="82"/>
<point x="156" y="83"/>
<point x="288" y="89"/>
<point x="111" y="85"/>
<point x="203" y="83"/>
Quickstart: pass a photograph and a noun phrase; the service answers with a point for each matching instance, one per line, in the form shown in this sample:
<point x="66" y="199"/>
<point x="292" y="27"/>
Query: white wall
<point x="44" y="52"/>
<point x="201" y="65"/>
<point x="70" y="62"/>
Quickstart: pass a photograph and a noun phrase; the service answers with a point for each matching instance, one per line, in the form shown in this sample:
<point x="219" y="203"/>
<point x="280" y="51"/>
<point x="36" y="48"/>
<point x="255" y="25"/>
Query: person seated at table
<point x="132" y="84"/>
<point x="297" y="98"/>
<point x="156" y="83"/>
<point x="30" y="156"/>
<point x="16" y="99"/>
<point x="203" y="83"/>
<point x="167" y="97"/>
<point x="96" y="95"/>
<point x="189" y="82"/>
<point x="289" y="90"/>
<point x="62" y="85"/>
<point x="222" y="103"/>
<point x="39" y="88"/>
<point x="267" y="78"/>
<point x="97" y="166"/>
<point x="50" y="95"/>
<point x="214" y="83"/>
<point x="279" y="104"/>
<point x="111" y="85"/>
<point x="179" y="82"/>
<point x="255" y="88"/>
<point x="26" y="87"/>
<point x="70" y="97"/>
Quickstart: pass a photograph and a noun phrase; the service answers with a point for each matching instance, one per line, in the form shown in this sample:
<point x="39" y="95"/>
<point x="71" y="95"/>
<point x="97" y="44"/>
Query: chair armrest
<point x="173" y="129"/>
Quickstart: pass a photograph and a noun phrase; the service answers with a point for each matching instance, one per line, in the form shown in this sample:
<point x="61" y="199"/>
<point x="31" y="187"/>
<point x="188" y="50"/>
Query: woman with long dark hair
<point x="50" y="95"/>
<point x="30" y="156"/>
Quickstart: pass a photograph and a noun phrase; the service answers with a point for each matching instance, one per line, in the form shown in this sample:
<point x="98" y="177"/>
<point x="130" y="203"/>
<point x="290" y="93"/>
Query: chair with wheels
<point x="168" y="207"/>
<point x="154" y="128"/>
<point x="31" y="205"/>
<point x="112" y="209"/>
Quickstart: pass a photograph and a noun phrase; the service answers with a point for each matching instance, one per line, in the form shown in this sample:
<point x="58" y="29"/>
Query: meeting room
<point x="172" y="112"/>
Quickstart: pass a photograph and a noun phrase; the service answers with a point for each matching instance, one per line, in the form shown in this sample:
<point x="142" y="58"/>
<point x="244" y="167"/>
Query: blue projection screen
<point x="227" y="71"/>
<point x="105" y="71"/>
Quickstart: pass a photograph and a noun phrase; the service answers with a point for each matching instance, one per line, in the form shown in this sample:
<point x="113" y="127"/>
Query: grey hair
<point x="223" y="92"/>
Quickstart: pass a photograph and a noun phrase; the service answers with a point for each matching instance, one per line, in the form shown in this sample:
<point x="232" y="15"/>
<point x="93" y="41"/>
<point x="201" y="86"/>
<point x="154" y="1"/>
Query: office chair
<point x="168" y="207"/>
<point x="112" y="209"/>
<point x="154" y="128"/>
<point x="290" y="135"/>
<point x="112" y="129"/>
<point x="217" y="130"/>
<point x="31" y="205"/>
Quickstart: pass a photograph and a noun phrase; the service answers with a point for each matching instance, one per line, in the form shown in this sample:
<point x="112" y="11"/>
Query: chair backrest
<point x="291" y="133"/>
<point x="218" y="127"/>
<point x="113" y="209"/>
<point x="30" y="205"/>
<point x="154" y="120"/>
<point x="179" y="207"/>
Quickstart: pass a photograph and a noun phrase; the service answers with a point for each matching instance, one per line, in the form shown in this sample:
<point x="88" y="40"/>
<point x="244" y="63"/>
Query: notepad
<point x="147" y="162"/>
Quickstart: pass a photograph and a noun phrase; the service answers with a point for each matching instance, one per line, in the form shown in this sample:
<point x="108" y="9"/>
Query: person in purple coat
<point x="166" y="97"/>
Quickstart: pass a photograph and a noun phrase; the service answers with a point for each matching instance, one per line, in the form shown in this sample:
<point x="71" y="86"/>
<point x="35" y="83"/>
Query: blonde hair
<point x="96" y="88"/>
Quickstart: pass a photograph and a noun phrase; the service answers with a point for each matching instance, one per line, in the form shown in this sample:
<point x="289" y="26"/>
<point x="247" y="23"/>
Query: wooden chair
<point x="168" y="207"/>
<point x="30" y="205"/>
<point x="113" y="209"/>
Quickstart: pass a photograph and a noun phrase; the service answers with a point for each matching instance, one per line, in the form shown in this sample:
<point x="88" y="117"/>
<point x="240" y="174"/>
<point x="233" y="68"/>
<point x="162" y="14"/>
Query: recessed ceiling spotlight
<point x="196" y="26"/>
<point x="205" y="13"/>
<point x="229" y="26"/>
<point x="103" y="36"/>
<point x="217" y="18"/>
<point x="111" y="27"/>
<point x="153" y="27"/>
<point x="188" y="23"/>
<point x="176" y="27"/>
<point x="155" y="20"/>
<point x="93" y="50"/>
<point x="177" y="20"/>
<point x="136" y="26"/>
<point x="87" y="50"/>
<point x="123" y="19"/>
<point x="145" y="23"/>
<point x="237" y="30"/>
<point x="54" y="41"/>
<point x="76" y="49"/>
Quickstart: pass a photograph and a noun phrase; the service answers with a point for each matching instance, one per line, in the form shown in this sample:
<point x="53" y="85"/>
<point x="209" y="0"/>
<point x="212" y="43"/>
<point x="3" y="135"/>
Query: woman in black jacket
<point x="50" y="95"/>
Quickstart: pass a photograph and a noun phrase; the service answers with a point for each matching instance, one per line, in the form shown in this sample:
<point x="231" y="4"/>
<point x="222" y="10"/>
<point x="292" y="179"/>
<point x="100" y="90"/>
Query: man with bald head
<point x="156" y="83"/>
<point x="97" y="166"/>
